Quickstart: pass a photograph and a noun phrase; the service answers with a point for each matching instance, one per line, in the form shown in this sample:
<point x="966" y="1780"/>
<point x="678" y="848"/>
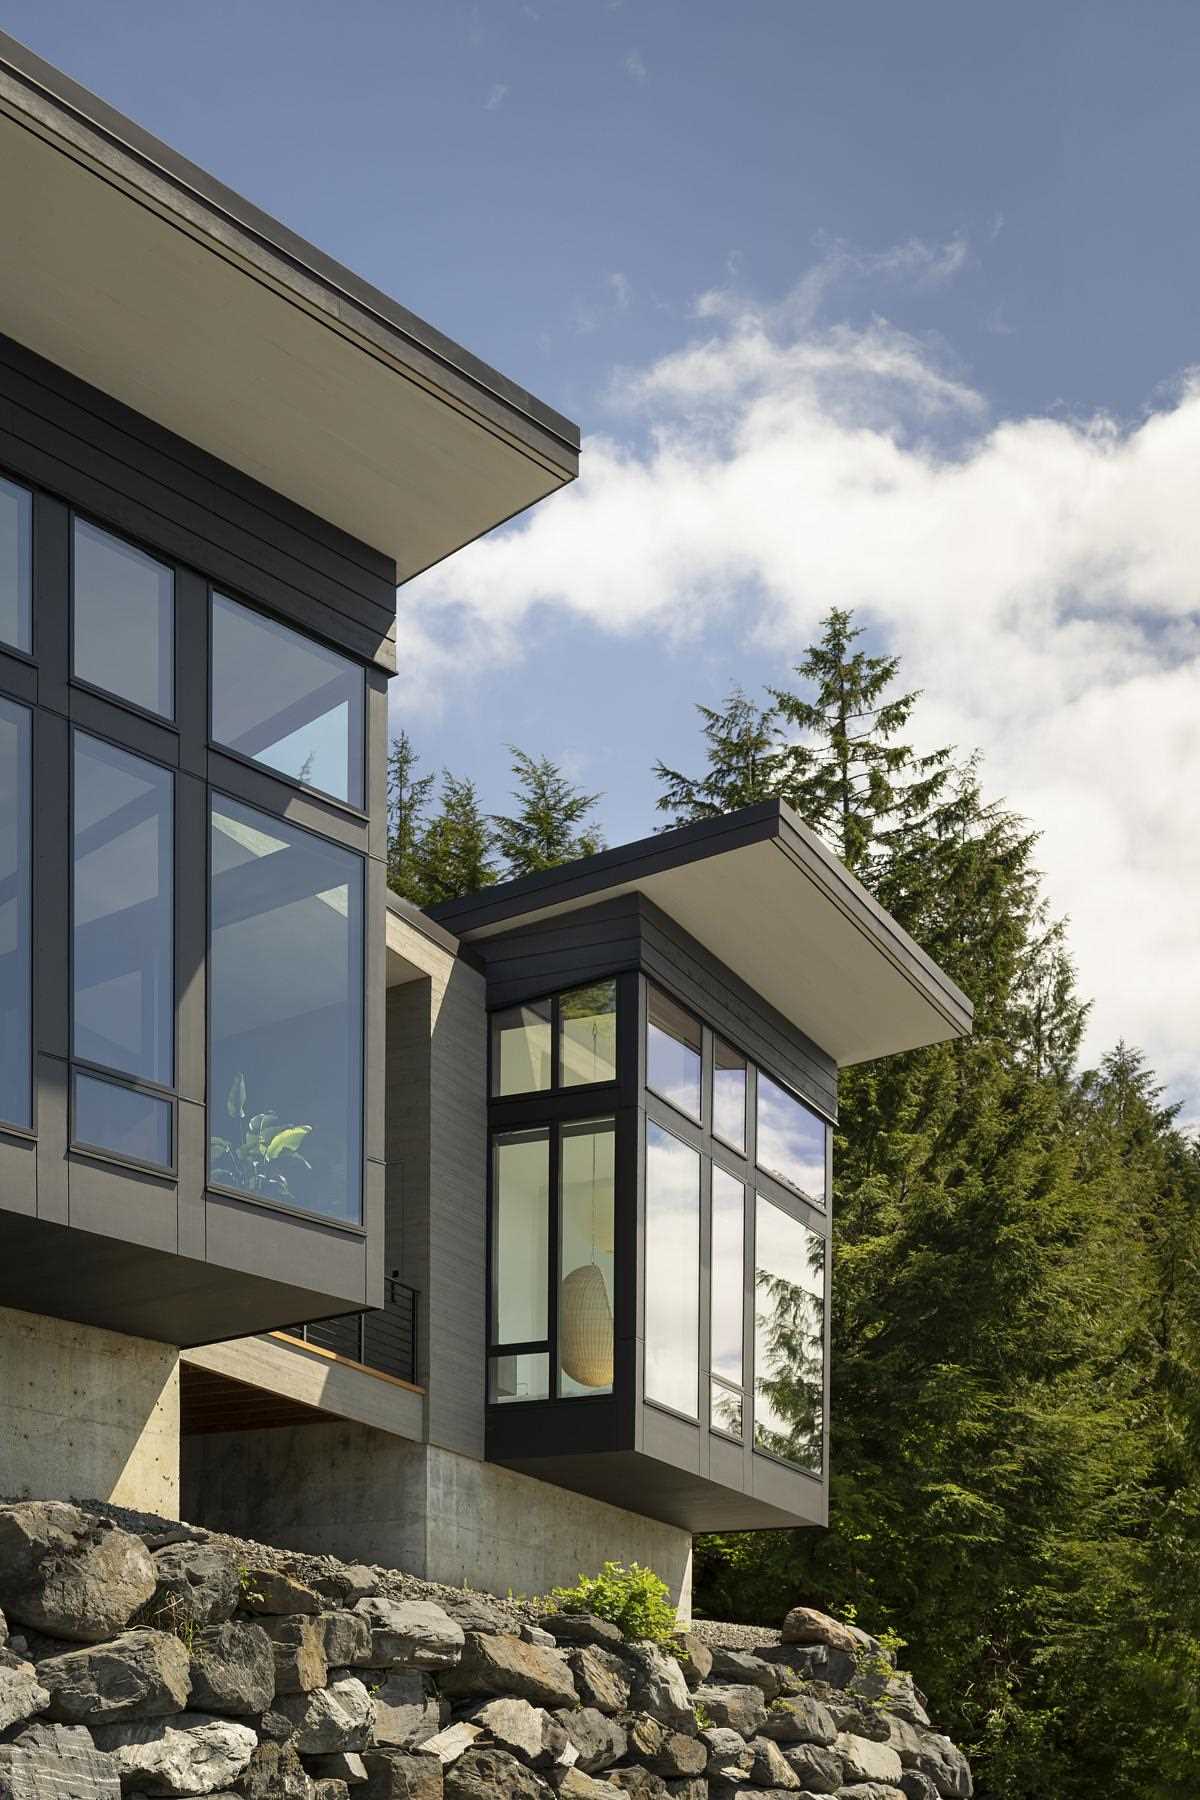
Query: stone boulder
<point x="139" y="1675"/>
<point x="494" y="1665"/>
<point x="527" y="1732"/>
<point x="799" y="1720"/>
<point x="346" y="1639"/>
<point x="347" y="1584"/>
<point x="868" y="1790"/>
<point x="480" y="1612"/>
<point x="865" y="1760"/>
<point x="644" y="1784"/>
<point x="233" y="1669"/>
<point x="864" y="1721"/>
<point x="739" y="1667"/>
<point x="57" y="1762"/>
<point x="729" y="1755"/>
<point x="452" y="1742"/>
<point x="900" y="1697"/>
<point x="603" y="1680"/>
<point x="818" y="1768"/>
<point x="738" y="1707"/>
<point x="915" y="1786"/>
<point x="489" y="1774"/>
<point x="270" y="1591"/>
<point x="410" y="1634"/>
<point x="330" y="1790"/>
<point x="576" y="1785"/>
<point x="582" y="1628"/>
<point x="298" y="1647"/>
<point x="338" y="1717"/>
<point x="407" y="1711"/>
<point x="694" y="1656"/>
<point x="275" y="1772"/>
<point x="397" y="1775"/>
<point x="813" y="1662"/>
<point x="22" y="1694"/>
<point x="659" y="1687"/>
<point x="68" y="1574"/>
<point x="598" y="1740"/>
<point x="671" y="1754"/>
<point x="934" y="1756"/>
<point x="805" y="1625"/>
<point x="187" y="1755"/>
<point x="340" y="1765"/>
<point x="197" y="1584"/>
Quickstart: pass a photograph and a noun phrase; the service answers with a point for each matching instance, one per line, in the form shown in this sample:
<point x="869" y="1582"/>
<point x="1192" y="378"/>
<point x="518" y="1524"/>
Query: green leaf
<point x="258" y="1124"/>
<point x="235" y="1104"/>
<point x="291" y="1139"/>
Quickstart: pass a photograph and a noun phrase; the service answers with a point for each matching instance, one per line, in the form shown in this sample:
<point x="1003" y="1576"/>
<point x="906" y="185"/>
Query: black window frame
<point x="10" y="1127"/>
<point x="553" y="997"/>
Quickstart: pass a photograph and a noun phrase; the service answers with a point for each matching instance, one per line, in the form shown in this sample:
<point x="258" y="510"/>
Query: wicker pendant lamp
<point x="585" y="1328"/>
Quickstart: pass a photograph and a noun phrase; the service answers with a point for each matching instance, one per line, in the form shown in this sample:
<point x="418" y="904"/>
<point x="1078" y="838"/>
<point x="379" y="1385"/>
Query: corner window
<point x="729" y="1095"/>
<point x="567" y="1040"/>
<point x="587" y="1034"/>
<point x="727" y="1279"/>
<point x="672" y="1261"/>
<point x="285" y="1014"/>
<point x="122" y="620"/>
<point x="586" y="1245"/>
<point x="791" y="1140"/>
<point x="16" y="567"/>
<point x="520" y="1237"/>
<point x="789" y="1338"/>
<point x="287" y="702"/>
<point x="16" y="1101"/>
<point x="521" y="1049"/>
<point x="673" y="1040"/>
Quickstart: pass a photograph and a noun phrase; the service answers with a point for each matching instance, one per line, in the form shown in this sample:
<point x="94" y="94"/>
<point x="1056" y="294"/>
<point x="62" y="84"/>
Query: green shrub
<point x="633" y="1598"/>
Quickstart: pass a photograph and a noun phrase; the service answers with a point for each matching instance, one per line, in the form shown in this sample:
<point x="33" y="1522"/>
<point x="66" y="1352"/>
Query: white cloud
<point x="496" y="97"/>
<point x="635" y="68"/>
<point x="1038" y="575"/>
<point x="588" y="315"/>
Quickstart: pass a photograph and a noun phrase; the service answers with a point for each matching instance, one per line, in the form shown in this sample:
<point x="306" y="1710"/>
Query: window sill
<point x="348" y="1226"/>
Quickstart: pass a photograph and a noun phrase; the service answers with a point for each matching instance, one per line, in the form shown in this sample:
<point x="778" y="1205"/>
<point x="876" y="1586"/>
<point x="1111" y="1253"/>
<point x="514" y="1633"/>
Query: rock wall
<point x="167" y="1661"/>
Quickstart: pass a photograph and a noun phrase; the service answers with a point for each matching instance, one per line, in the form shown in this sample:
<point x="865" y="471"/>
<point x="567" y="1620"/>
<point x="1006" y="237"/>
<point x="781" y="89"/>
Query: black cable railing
<point x="385" y="1340"/>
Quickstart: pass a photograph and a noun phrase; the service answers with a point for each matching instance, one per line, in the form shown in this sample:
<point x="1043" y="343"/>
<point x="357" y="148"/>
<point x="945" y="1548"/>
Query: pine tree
<point x="550" y="825"/>
<point x="746" y="763"/>
<point x="454" y="854"/>
<point x="407" y="799"/>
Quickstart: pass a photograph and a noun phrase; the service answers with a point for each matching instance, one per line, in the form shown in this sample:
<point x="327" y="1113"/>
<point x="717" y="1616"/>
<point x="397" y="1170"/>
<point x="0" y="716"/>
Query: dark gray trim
<point x="428" y="927"/>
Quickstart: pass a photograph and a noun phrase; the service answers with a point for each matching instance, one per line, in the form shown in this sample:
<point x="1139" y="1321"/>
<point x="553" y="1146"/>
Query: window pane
<point x="521" y="1237"/>
<point x="729" y="1095"/>
<point x="672" y="1272"/>
<point x="123" y="628"/>
<point x="585" y="1302"/>
<point x="588" y="1034"/>
<point x="122" y="1121"/>
<point x="728" y="1272"/>
<point x="523" y="1377"/>
<point x="16" y="566"/>
<point x="789" y="1338"/>
<point x="285" y="1014"/>
<point x="521" y="1049"/>
<point x="673" y="1053"/>
<point x="791" y="1140"/>
<point x="287" y="701"/>
<point x="15" y="863"/>
<point x="725" y="1410"/>
<point x="122" y="948"/>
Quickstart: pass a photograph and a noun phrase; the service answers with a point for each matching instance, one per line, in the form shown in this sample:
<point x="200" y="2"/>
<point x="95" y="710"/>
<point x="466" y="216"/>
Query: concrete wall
<point x="365" y="1495"/>
<point x="87" y="1414"/>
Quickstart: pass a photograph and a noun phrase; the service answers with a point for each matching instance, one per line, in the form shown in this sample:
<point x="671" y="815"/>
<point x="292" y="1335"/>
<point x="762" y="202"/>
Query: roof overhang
<point x="761" y="892"/>
<point x="139" y="273"/>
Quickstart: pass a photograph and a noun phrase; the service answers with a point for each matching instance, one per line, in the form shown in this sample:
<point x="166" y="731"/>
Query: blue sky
<point x="892" y="305"/>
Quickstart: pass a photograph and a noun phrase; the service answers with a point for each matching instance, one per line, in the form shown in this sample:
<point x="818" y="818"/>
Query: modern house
<point x="491" y="1244"/>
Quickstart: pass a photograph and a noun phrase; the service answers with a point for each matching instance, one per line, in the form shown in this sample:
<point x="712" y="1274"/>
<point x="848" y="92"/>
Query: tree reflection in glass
<point x="789" y="1339"/>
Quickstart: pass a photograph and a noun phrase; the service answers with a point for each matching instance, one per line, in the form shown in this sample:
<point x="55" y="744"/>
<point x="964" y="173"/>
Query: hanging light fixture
<point x="585" y="1331"/>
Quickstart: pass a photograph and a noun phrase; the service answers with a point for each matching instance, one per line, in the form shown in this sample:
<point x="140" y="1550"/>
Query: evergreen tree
<point x="407" y="799"/>
<point x="550" y="825"/>
<point x="746" y="763"/>
<point x="454" y="854"/>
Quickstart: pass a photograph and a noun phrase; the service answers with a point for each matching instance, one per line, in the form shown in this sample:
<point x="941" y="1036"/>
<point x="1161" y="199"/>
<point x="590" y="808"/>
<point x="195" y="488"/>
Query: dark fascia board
<point x="124" y="134"/>
<point x="628" y="865"/>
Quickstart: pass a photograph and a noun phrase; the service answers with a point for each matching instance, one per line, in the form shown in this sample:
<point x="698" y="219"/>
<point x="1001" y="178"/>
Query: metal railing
<point x="385" y="1340"/>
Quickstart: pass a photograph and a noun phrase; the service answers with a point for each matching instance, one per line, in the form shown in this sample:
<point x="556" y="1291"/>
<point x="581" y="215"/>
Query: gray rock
<point x="233" y="1669"/>
<point x="868" y="1790"/>
<point x="139" y="1675"/>
<point x="599" y="1740"/>
<point x="407" y="1711"/>
<point x="340" y="1765"/>
<point x="197" y="1584"/>
<point x="494" y="1665"/>
<point x="533" y="1634"/>
<point x="274" y="1728"/>
<point x="187" y="1755"/>
<point x="479" y="1612"/>
<point x="864" y="1721"/>
<point x="3" y="1631"/>
<point x="330" y="1790"/>
<point x="695" y="1657"/>
<point x="275" y="1772"/>
<point x="346" y="1639"/>
<point x="56" y="1762"/>
<point x="818" y="1769"/>
<point x="603" y="1680"/>
<point x="453" y="1742"/>
<point x="689" y="1787"/>
<point x="347" y="1584"/>
<point x="739" y="1707"/>
<point x="732" y="1667"/>
<point x="527" y="1732"/>
<point x="900" y="1697"/>
<point x="298" y="1646"/>
<point x="915" y="1786"/>
<point x="69" y="1574"/>
<point x="397" y="1775"/>
<point x="338" y="1717"/>
<point x="813" y="1662"/>
<point x="659" y="1687"/>
<point x="798" y="1720"/>
<point x="488" y="1774"/>
<point x="865" y="1760"/>
<point x="411" y="1634"/>
<point x="770" y="1768"/>
<point x="729" y="1755"/>
<point x="643" y="1783"/>
<point x="932" y="1755"/>
<point x="271" y="1592"/>
<point x="805" y="1625"/>
<point x="582" y="1628"/>
<point x="575" y="1785"/>
<point x="22" y="1694"/>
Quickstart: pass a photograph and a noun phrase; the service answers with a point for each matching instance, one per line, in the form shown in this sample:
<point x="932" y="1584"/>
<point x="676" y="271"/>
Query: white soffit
<point x="155" y="295"/>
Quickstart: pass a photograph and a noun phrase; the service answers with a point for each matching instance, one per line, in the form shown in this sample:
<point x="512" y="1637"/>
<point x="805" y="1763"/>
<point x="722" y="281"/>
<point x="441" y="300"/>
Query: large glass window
<point x="587" y="1034"/>
<point x="521" y="1048"/>
<point x="287" y="702"/>
<point x="791" y="1140"/>
<point x="122" y="947"/>
<point x="127" y="1122"/>
<point x="586" y="1225"/>
<point x="285" y="1014"/>
<point x="728" y="1275"/>
<point x="789" y="1338"/>
<point x="16" y="1107"/>
<point x="521" y="1237"/>
<point x="672" y="1300"/>
<point x="729" y="1095"/>
<point x="16" y="566"/>
<point x="123" y="620"/>
<point x="673" y="1053"/>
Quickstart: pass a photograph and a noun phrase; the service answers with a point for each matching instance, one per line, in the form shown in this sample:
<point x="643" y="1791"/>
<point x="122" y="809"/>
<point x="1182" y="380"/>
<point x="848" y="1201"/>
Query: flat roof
<point x="145" y="276"/>
<point x="760" y="891"/>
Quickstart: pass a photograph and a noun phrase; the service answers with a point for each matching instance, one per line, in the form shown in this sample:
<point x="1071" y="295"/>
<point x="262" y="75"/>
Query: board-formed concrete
<point x="368" y="1496"/>
<point x="87" y="1414"/>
